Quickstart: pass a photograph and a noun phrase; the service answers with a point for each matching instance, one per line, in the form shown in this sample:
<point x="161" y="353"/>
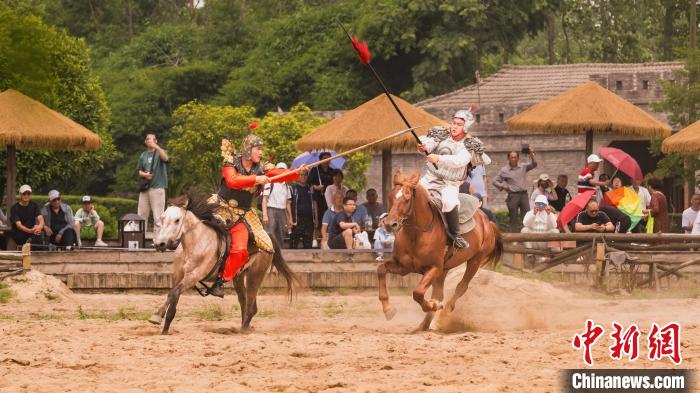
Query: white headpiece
<point x="467" y="116"/>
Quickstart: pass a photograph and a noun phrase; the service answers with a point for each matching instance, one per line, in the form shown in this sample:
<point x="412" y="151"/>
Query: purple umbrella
<point x="310" y="157"/>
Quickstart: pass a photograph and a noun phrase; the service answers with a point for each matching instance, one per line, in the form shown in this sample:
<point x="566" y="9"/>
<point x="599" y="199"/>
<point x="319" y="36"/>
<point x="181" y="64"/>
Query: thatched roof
<point x="588" y="107"/>
<point x="686" y="140"/>
<point x="29" y="124"/>
<point x="368" y="122"/>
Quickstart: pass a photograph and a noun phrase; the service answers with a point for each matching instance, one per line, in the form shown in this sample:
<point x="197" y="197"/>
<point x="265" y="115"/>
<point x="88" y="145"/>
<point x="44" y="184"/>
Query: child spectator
<point x="382" y="238"/>
<point x="87" y="222"/>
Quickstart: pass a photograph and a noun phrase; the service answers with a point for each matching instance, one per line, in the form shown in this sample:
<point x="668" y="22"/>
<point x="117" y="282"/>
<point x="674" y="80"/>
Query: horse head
<point x="171" y="225"/>
<point x="401" y="200"/>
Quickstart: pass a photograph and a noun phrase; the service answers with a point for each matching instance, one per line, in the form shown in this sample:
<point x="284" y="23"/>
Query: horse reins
<point x="411" y="210"/>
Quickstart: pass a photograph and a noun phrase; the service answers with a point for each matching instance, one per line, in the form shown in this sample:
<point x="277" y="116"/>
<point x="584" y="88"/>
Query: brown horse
<point x="420" y="247"/>
<point x="188" y="226"/>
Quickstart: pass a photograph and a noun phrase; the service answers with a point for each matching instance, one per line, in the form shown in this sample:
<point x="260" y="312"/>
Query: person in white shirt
<point x="690" y="214"/>
<point x="478" y="179"/>
<point x="337" y="186"/>
<point x="643" y="193"/>
<point x="541" y="219"/>
<point x="382" y="238"/>
<point x="277" y="208"/>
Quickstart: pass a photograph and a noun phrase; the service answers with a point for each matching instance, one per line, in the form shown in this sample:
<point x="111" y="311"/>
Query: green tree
<point x="54" y="68"/>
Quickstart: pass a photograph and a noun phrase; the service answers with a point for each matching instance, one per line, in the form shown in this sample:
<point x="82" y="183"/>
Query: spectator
<point x="591" y="219"/>
<point x="620" y="220"/>
<point x="5" y="223"/>
<point x="643" y="193"/>
<point x="486" y="211"/>
<point x="59" y="220"/>
<point x="541" y="219"/>
<point x="513" y="179"/>
<point x="690" y="214"/>
<point x="304" y="213"/>
<point x="601" y="190"/>
<point x="544" y="186"/>
<point x="277" y="208"/>
<point x="342" y="230"/>
<point x="328" y="217"/>
<point x="658" y="208"/>
<point x="337" y="186"/>
<point x="360" y="215"/>
<point x="320" y="178"/>
<point x="374" y="209"/>
<point x="153" y="166"/>
<point x="616" y="182"/>
<point x="467" y="188"/>
<point x="26" y="218"/>
<point x="478" y="180"/>
<point x="586" y="180"/>
<point x="87" y="221"/>
<point x="382" y="238"/>
<point x="563" y="195"/>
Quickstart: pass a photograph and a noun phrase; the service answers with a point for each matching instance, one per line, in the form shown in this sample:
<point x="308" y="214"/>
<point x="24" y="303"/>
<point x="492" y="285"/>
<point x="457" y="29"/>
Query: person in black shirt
<point x="25" y="217"/>
<point x="60" y="224"/>
<point x="304" y="215"/>
<point x="321" y="177"/>
<point x="342" y="229"/>
<point x="563" y="195"/>
<point x="593" y="220"/>
<point x="620" y="220"/>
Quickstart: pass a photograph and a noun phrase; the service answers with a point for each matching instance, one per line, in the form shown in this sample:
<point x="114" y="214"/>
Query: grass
<point x="264" y="314"/>
<point x="210" y="312"/>
<point x="122" y="314"/>
<point x="6" y="293"/>
<point x="49" y="295"/>
<point x="333" y="309"/>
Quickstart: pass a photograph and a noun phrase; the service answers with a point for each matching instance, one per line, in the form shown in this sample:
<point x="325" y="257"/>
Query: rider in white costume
<point x="452" y="150"/>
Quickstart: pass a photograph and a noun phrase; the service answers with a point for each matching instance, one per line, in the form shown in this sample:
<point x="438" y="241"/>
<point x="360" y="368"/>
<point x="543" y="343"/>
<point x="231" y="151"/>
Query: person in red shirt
<point x="586" y="181"/>
<point x="242" y="178"/>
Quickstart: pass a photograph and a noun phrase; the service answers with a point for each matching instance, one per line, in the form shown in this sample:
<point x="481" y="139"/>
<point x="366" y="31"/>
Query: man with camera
<point x="512" y="178"/>
<point x="153" y="172"/>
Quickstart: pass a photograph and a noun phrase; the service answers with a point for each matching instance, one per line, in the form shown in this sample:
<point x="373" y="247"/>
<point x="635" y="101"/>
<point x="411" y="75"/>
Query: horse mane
<point x="197" y="204"/>
<point x="410" y="180"/>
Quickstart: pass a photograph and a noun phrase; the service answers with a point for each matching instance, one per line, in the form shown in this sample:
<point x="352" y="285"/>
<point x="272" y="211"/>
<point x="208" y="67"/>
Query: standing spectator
<point x="337" y="186"/>
<point x="643" y="193"/>
<point x="88" y="221"/>
<point x="153" y="166"/>
<point x="342" y="230"/>
<point x="26" y="218"/>
<point x="659" y="206"/>
<point x="563" y="195"/>
<point x="690" y="214"/>
<point x="320" y="178"/>
<point x="601" y="190"/>
<point x="5" y="223"/>
<point x="586" y="179"/>
<point x="374" y="209"/>
<point x="467" y="188"/>
<point x="277" y="208"/>
<point x="477" y="179"/>
<point x="328" y="217"/>
<point x="544" y="186"/>
<point x="486" y="211"/>
<point x="60" y="222"/>
<point x="541" y="219"/>
<point x="304" y="213"/>
<point x="360" y="215"/>
<point x="513" y="179"/>
<point x="591" y="219"/>
<point x="382" y="238"/>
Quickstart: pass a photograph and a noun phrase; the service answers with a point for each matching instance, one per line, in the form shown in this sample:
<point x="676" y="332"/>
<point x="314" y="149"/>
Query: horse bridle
<point x="411" y="210"/>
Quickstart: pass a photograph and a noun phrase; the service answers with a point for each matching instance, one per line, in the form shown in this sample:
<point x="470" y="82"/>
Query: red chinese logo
<point x="625" y="344"/>
<point x="665" y="342"/>
<point x="587" y="339"/>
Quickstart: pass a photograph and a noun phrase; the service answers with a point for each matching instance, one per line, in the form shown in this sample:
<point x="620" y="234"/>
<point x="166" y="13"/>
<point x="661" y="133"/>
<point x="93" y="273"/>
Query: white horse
<point x="188" y="226"/>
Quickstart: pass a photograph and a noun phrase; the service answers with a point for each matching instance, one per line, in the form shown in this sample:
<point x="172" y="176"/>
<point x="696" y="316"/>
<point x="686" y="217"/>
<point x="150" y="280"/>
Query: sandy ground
<point x="509" y="335"/>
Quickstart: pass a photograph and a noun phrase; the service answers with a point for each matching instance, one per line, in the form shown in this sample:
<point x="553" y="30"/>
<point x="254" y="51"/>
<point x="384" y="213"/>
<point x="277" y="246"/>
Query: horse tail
<point x="281" y="265"/>
<point x="497" y="252"/>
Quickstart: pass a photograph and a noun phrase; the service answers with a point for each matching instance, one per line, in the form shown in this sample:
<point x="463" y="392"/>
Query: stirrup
<point x="460" y="243"/>
<point x="217" y="289"/>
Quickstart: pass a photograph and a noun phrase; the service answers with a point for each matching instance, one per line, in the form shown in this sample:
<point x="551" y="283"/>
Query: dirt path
<point x="321" y="342"/>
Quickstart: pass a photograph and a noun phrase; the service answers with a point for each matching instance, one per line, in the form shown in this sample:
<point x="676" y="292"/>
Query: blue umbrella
<point x="310" y="157"/>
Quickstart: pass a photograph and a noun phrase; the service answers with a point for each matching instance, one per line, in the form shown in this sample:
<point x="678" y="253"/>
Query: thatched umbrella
<point x="586" y="109"/>
<point x="368" y="122"/>
<point x="686" y="140"/>
<point x="26" y="124"/>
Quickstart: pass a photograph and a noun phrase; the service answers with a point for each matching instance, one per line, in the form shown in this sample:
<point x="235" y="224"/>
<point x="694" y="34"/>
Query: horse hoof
<point x="390" y="313"/>
<point x="155" y="319"/>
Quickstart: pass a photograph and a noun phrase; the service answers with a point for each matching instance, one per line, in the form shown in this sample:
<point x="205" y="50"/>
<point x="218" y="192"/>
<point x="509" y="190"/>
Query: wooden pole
<point x="620" y="237"/>
<point x="11" y="177"/>
<point x="589" y="142"/>
<point x="693" y="24"/>
<point x="386" y="177"/>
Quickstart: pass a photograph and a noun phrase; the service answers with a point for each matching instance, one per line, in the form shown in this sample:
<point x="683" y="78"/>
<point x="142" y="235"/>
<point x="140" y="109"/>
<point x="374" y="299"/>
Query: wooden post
<point x="27" y="256"/>
<point x="11" y="177"/>
<point x="600" y="262"/>
<point x="589" y="142"/>
<point x="518" y="261"/>
<point x="386" y="177"/>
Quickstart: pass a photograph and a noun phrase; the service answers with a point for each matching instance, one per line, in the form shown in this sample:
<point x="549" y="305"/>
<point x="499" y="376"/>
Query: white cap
<point x="383" y="215"/>
<point x="281" y="165"/>
<point x="54" y="194"/>
<point x="543" y="176"/>
<point x="24" y="188"/>
<point x="594" y="158"/>
<point x="541" y="199"/>
<point x="87" y="199"/>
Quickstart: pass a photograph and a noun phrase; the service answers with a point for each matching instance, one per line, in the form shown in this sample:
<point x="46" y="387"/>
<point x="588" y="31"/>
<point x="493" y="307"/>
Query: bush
<point x="109" y="209"/>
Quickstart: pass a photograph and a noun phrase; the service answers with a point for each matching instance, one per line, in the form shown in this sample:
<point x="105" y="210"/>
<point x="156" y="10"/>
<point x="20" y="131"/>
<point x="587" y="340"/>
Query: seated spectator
<point x="342" y="230"/>
<point x="601" y="190"/>
<point x="544" y="187"/>
<point x="486" y="211"/>
<point x="382" y="238"/>
<point x="360" y="216"/>
<point x="690" y="214"/>
<point x="620" y="220"/>
<point x="25" y="217"/>
<point x="328" y="217"/>
<point x="591" y="219"/>
<point x="59" y="220"/>
<point x="87" y="222"/>
<point x="563" y="195"/>
<point x="541" y="219"/>
<point x="374" y="209"/>
<point x="337" y="186"/>
<point x="659" y="206"/>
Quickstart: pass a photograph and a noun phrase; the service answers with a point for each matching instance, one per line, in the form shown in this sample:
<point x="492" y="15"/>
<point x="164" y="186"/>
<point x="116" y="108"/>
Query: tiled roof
<point x="526" y="85"/>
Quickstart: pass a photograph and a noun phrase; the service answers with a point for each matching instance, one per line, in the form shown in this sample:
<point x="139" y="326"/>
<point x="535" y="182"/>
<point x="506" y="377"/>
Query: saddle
<point x="468" y="205"/>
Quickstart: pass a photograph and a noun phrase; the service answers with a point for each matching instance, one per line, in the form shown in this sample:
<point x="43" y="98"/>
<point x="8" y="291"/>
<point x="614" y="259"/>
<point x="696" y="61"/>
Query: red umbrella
<point x="622" y="161"/>
<point x="574" y="207"/>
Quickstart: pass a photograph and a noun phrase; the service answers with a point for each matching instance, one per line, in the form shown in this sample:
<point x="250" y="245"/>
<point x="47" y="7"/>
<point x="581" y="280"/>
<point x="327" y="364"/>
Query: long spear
<point x="365" y="58"/>
<point x="345" y="153"/>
